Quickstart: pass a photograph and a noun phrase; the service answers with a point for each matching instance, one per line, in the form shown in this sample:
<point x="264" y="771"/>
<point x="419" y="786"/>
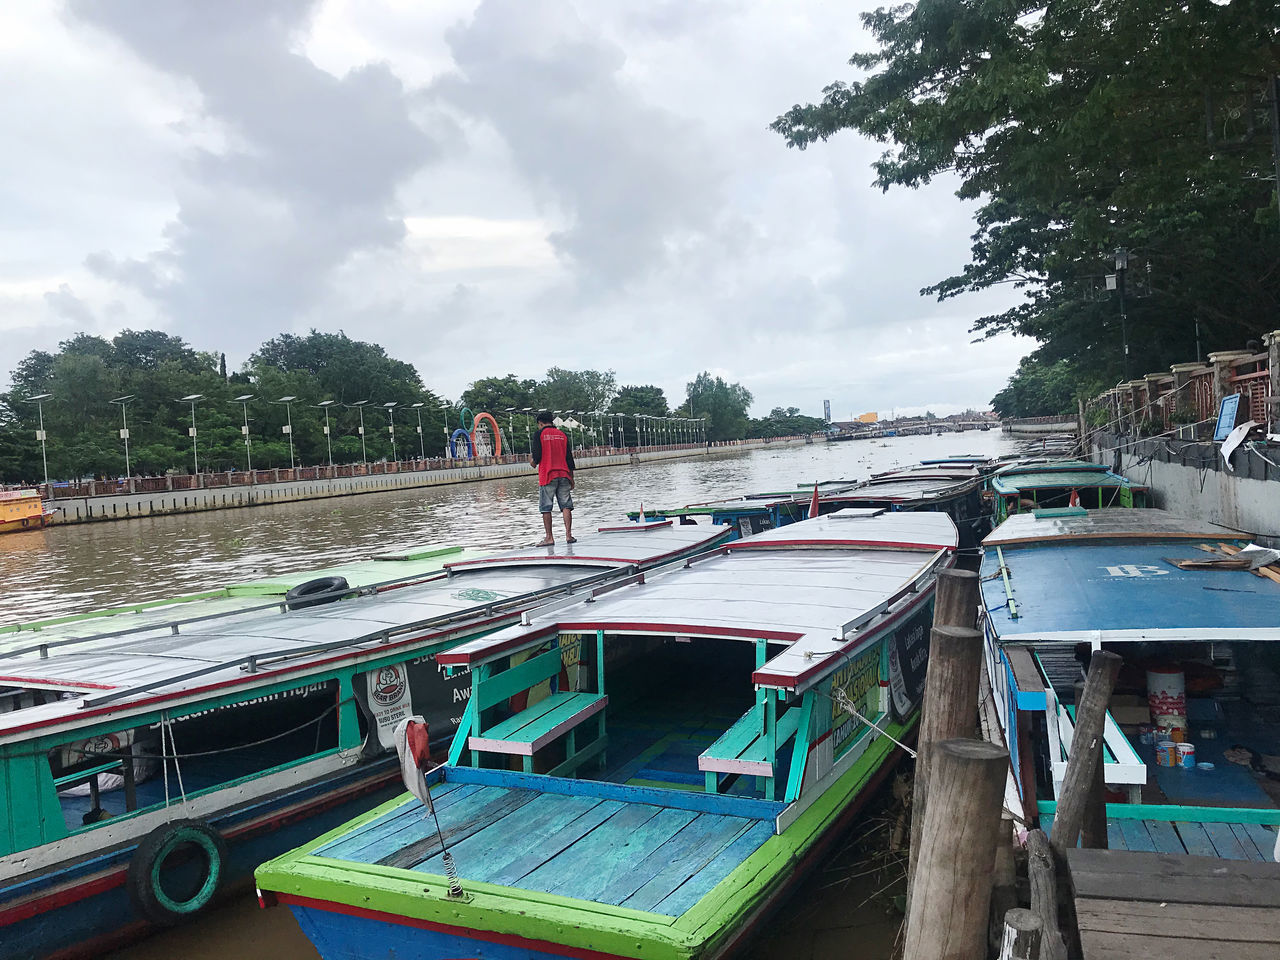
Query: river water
<point x="80" y="567"/>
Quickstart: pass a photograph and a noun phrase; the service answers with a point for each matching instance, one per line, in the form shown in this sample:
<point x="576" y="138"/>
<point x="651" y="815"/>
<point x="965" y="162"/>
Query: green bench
<point x="750" y="746"/>
<point x="525" y="733"/>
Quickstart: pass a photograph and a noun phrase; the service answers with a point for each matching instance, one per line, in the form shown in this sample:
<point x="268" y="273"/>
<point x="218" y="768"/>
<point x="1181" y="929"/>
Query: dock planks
<point x="1155" y="906"/>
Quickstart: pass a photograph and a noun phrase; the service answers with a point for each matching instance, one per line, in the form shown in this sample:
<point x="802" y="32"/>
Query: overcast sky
<point x="483" y="188"/>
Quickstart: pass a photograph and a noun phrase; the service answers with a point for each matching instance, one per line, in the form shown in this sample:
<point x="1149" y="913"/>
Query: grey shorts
<point x="557" y="490"/>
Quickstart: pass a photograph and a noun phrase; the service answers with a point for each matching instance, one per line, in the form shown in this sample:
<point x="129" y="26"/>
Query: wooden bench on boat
<point x="751" y="745"/>
<point x="523" y="734"/>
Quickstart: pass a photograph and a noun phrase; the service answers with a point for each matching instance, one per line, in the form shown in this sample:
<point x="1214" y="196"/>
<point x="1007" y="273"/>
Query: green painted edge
<point x="1169" y="811"/>
<point x="221" y="593"/>
<point x="564" y="920"/>
<point x="415" y="553"/>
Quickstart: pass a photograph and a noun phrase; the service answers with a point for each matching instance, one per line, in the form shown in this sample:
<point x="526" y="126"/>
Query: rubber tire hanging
<point x="147" y="894"/>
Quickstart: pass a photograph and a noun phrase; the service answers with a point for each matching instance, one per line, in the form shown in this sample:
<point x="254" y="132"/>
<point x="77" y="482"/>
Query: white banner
<point x="389" y="700"/>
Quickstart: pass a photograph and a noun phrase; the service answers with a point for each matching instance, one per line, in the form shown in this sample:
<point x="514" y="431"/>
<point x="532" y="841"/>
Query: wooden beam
<point x="1086" y="750"/>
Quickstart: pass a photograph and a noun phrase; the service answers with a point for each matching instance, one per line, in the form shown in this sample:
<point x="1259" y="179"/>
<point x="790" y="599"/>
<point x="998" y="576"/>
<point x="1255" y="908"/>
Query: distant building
<point x="869" y="417"/>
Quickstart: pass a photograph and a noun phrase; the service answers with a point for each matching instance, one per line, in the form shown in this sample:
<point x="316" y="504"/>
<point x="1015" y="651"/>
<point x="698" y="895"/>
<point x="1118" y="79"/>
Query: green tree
<point x="1043" y="388"/>
<point x="582" y="390"/>
<point x="645" y="399"/>
<point x="1083" y="127"/>
<point x="722" y="405"/>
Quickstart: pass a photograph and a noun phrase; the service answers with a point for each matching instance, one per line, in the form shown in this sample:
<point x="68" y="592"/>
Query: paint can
<point x="1167" y="696"/>
<point x="1146" y="733"/>
<point x="1204" y="767"/>
<point x="1166" y="753"/>
<point x="1187" y="755"/>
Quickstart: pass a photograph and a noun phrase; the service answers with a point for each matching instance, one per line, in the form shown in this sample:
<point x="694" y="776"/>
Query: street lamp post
<point x="243" y="400"/>
<point x="193" y="399"/>
<point x="422" y="447"/>
<point x="391" y="427"/>
<point x="444" y="409"/>
<point x="288" y="427"/>
<point x="1122" y="264"/>
<point x="124" y="430"/>
<point x="328" y="439"/>
<point x="511" y="427"/>
<point x="39" y="400"/>
<point x="528" y="436"/>
<point x="364" y="450"/>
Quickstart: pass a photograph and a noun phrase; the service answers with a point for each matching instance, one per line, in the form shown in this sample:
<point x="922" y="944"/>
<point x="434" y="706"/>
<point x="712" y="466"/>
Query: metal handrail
<point x="251" y="662"/>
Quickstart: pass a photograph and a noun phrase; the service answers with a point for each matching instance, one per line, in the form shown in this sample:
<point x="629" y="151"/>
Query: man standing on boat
<point x="552" y="454"/>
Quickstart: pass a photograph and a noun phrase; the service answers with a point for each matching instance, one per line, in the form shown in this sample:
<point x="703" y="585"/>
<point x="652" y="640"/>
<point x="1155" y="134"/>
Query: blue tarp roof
<point x="1072" y="587"/>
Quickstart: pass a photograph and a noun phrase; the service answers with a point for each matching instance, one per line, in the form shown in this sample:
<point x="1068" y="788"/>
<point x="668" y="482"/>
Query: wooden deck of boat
<point x="595" y="841"/>
<point x="1151" y="906"/>
<point x="1224" y="841"/>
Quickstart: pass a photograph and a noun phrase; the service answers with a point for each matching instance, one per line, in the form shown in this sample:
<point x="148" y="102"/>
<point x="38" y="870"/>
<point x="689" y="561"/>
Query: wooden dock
<point x="1154" y="906"/>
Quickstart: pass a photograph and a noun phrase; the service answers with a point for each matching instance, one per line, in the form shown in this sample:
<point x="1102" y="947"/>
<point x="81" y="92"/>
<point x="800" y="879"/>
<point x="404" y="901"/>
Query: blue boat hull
<point x="84" y="910"/>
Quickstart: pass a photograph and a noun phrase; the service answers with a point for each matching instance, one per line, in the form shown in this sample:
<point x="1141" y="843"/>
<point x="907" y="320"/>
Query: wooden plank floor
<point x="632" y="854"/>
<point x="1156" y="906"/>
<point x="1227" y="841"/>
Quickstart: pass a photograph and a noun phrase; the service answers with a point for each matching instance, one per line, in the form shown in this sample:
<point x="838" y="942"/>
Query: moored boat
<point x="1040" y="484"/>
<point x="688" y="746"/>
<point x="143" y="770"/>
<point x="1193" y="728"/>
<point x="23" y="510"/>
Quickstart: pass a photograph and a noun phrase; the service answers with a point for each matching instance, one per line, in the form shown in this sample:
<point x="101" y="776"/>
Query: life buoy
<point x="172" y="844"/>
<point x="313" y="592"/>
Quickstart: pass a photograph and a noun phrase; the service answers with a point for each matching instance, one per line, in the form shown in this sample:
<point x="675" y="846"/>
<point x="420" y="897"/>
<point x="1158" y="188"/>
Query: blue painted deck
<point x="590" y="842"/>
<point x="1226" y="841"/>
<point x="1122" y="586"/>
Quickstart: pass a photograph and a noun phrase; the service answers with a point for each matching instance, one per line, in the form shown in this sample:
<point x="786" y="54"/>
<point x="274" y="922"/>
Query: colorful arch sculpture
<point x="453" y="443"/>
<point x="497" y="434"/>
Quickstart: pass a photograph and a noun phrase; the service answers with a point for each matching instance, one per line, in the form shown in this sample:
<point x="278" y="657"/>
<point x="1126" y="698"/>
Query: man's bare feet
<point x="545" y="543"/>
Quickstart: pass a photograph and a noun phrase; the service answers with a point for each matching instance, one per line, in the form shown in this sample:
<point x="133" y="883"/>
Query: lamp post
<point x="288" y="427"/>
<point x="124" y="430"/>
<point x="422" y="447"/>
<point x="1122" y="264"/>
<point x="391" y="427"/>
<point x="444" y="410"/>
<point x="39" y="400"/>
<point x="243" y="400"/>
<point x="528" y="436"/>
<point x="364" y="450"/>
<point x="328" y="439"/>
<point x="511" y="427"/>
<point x="193" y="399"/>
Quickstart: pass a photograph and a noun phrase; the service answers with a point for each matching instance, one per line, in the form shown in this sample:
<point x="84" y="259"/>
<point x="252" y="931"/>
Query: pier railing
<point x="1185" y="401"/>
<point x="244" y="478"/>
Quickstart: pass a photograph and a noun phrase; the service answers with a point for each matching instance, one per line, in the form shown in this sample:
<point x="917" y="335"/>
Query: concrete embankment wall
<point x="1038" y="426"/>
<point x="1191" y="479"/>
<point x="125" y="506"/>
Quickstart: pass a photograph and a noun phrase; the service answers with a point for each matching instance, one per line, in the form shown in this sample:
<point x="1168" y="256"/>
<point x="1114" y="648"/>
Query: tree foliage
<point x="786" y="422"/>
<point x="723" y="405"/>
<point x="581" y="390"/>
<point x="1083" y="127"/>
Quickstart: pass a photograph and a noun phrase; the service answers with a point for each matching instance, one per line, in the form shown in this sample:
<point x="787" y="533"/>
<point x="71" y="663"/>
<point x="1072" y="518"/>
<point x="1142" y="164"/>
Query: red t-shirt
<point x="553" y="455"/>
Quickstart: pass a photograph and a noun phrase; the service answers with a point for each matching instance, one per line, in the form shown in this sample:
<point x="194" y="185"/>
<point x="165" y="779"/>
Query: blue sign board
<point x="1226" y="417"/>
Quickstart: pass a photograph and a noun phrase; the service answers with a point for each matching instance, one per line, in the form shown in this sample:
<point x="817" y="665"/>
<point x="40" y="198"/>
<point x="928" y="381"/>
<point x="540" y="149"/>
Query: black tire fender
<point x="312" y="593"/>
<point x="146" y="893"/>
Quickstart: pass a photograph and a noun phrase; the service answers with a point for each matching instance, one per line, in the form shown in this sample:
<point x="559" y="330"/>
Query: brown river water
<point x="843" y="909"/>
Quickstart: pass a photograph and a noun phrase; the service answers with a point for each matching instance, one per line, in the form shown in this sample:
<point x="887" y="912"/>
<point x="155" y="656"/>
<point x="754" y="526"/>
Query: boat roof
<point x="1074" y="523"/>
<point x="817" y="587"/>
<point x="1056" y="473"/>
<point x="190" y="661"/>
<point x="1114" y="579"/>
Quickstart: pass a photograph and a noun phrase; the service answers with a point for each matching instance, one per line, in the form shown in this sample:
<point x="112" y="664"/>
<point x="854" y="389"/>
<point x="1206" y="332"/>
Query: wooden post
<point x="1022" y="934"/>
<point x="956" y="602"/>
<point x="1004" y="883"/>
<point x="950" y="711"/>
<point x="1086" y="751"/>
<point x="1093" y="831"/>
<point x="947" y="917"/>
<point x="1044" y="895"/>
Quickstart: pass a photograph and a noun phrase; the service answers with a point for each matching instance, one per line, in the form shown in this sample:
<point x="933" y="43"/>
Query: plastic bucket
<point x="1167" y="696"/>
<point x="1186" y="755"/>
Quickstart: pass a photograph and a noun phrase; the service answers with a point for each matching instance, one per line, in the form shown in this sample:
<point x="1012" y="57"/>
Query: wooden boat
<point x="23" y="510"/>
<point x="1040" y="484"/>
<point x="688" y="746"/>
<point x="1197" y="633"/>
<point x="233" y="736"/>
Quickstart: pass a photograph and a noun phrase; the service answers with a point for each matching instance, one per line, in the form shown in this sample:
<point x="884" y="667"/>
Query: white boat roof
<point x="136" y="669"/>
<point x="817" y="586"/>
<point x="1106" y="523"/>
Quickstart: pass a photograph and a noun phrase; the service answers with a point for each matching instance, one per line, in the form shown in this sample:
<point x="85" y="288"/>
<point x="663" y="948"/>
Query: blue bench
<point x="525" y="733"/>
<point x="750" y="746"/>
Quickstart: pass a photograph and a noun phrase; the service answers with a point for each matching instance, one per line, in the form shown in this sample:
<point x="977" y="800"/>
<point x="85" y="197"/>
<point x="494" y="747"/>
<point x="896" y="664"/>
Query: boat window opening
<point x="20" y="698"/>
<point x="1215" y="703"/>
<point x="113" y="774"/>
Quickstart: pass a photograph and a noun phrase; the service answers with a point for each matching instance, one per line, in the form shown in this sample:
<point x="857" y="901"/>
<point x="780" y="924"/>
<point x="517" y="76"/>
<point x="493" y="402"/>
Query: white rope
<point x="842" y="700"/>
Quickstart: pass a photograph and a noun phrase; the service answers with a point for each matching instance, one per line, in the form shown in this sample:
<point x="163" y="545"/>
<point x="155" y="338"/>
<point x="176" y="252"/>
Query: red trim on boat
<point x="647" y="525"/>
<point x="612" y="626"/>
<point x="891" y="544"/>
<point x="507" y="939"/>
<point x="59" y="682"/>
<point x="643" y="562"/>
<point x="61" y="898"/>
<point x="461" y="658"/>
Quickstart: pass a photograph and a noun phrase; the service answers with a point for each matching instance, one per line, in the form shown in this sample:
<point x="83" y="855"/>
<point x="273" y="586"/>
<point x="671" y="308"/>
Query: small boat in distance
<point x="23" y="510"/>
<point x="142" y="769"/>
<point x="646" y="774"/>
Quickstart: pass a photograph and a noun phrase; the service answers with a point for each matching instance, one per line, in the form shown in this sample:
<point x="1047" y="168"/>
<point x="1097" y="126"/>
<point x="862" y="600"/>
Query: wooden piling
<point x="1086" y="751"/>
<point x="1093" y="830"/>
<point x="1004" y="882"/>
<point x="1022" y="935"/>
<point x="1044" y="895"/>
<point x="947" y="918"/>
<point x="955" y="660"/>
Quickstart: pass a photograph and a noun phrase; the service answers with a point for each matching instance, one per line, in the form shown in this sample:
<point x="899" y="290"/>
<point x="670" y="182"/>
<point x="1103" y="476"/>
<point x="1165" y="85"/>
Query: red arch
<point x="497" y="434"/>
